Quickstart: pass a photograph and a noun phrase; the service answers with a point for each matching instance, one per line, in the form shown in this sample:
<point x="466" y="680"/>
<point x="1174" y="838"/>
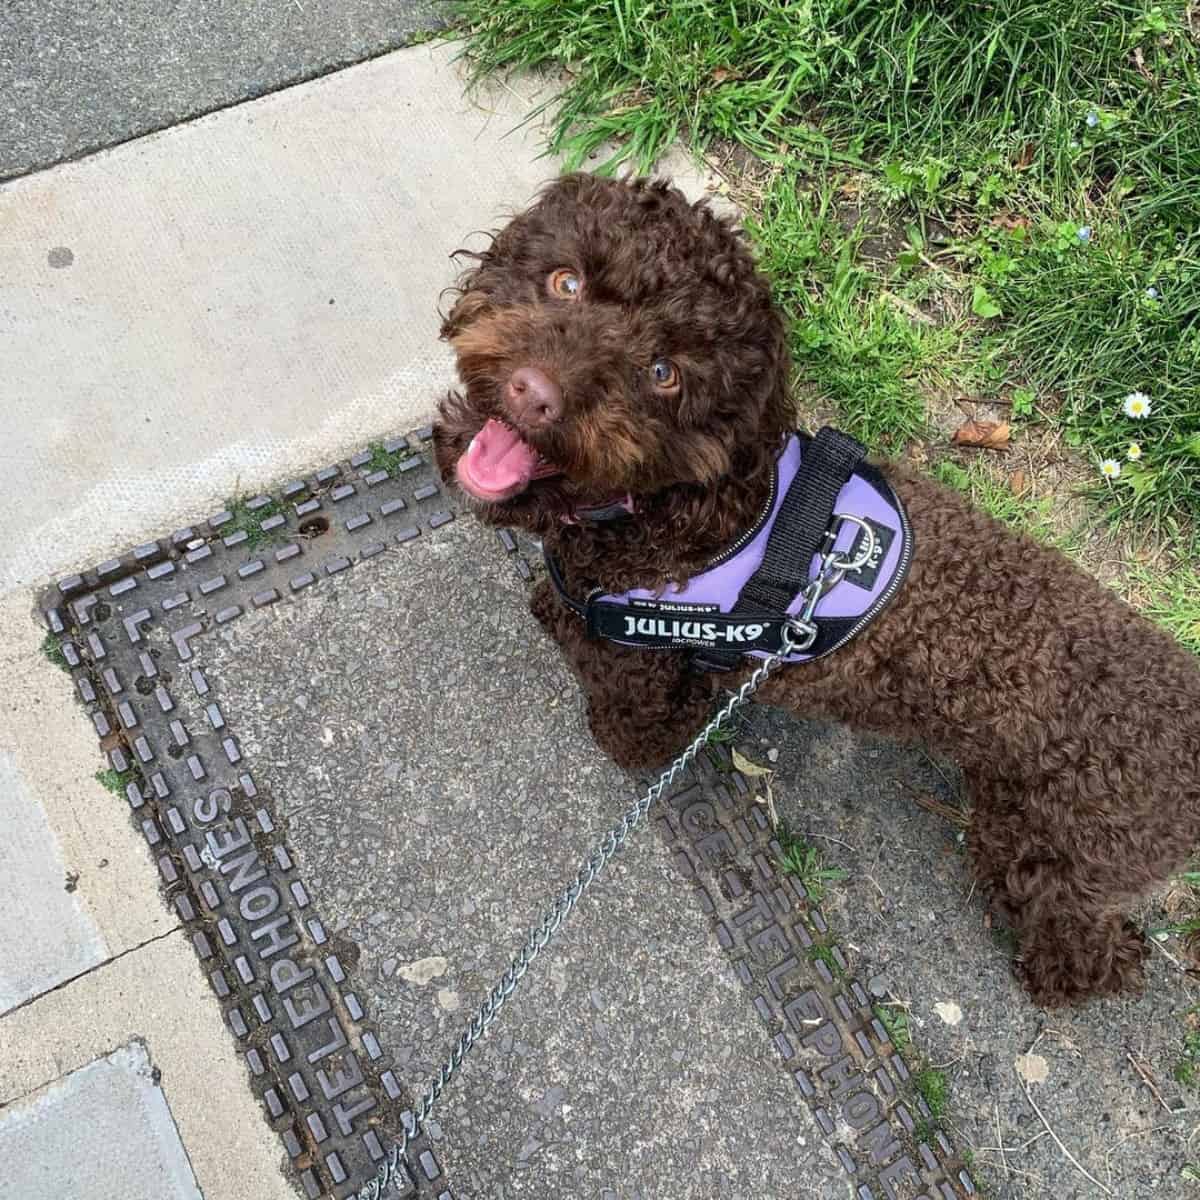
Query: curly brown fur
<point x="1077" y="723"/>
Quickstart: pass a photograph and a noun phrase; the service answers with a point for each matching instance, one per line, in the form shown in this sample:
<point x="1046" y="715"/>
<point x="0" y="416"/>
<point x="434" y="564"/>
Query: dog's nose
<point x="533" y="398"/>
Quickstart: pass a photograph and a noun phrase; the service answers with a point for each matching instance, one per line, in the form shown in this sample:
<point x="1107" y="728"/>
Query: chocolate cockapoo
<point x="626" y="398"/>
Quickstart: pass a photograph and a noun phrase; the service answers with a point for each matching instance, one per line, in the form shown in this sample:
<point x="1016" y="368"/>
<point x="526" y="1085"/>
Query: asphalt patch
<point x="78" y="77"/>
<point x="1110" y="1079"/>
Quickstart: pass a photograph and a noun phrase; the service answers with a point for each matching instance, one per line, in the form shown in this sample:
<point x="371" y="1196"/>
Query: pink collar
<point x="615" y="509"/>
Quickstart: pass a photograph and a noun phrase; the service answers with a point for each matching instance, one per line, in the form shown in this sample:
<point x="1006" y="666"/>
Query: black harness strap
<point x="802" y="524"/>
<point x="560" y="585"/>
<point x="798" y="533"/>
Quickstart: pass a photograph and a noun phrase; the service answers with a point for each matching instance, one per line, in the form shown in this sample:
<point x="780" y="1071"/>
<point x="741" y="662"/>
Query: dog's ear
<point x="470" y="304"/>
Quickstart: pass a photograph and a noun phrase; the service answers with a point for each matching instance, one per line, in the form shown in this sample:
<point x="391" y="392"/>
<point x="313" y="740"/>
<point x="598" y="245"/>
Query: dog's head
<point x="613" y="340"/>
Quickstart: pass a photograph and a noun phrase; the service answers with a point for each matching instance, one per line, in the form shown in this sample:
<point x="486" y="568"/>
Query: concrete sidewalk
<point x="183" y="319"/>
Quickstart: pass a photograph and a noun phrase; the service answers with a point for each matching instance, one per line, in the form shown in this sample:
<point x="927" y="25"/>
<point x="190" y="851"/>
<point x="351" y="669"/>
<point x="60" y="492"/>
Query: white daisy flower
<point x="1137" y="405"/>
<point x="1134" y="452"/>
<point x="1110" y="468"/>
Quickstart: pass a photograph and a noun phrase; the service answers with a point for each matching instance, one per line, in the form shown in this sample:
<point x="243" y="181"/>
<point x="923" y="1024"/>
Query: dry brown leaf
<point x="748" y="766"/>
<point x="1018" y="483"/>
<point x="1025" y="157"/>
<point x="1010" y="221"/>
<point x="988" y="435"/>
<point x="723" y="74"/>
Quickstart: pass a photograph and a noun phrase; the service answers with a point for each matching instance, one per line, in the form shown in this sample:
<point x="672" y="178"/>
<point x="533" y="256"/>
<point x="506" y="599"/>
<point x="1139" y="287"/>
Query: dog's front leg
<point x="644" y="706"/>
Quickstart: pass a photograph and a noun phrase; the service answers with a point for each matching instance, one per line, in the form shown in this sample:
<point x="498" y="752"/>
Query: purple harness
<point x="829" y="551"/>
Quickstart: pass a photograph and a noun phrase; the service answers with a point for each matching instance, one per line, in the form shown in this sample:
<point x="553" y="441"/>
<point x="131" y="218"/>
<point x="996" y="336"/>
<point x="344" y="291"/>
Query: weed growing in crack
<point x="1187" y="1070"/>
<point x="894" y="1019"/>
<point x="115" y="781"/>
<point x="387" y="460"/>
<point x="820" y="952"/>
<point x="52" y="649"/>
<point x="805" y="862"/>
<point x="249" y="521"/>
<point x="934" y="1089"/>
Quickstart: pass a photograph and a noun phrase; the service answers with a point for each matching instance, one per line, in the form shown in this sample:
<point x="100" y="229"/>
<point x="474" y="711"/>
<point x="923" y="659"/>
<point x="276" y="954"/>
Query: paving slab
<point x="78" y="77"/>
<point x="200" y="311"/>
<point x="102" y="1131"/>
<point x="59" y="939"/>
<point x="154" y="995"/>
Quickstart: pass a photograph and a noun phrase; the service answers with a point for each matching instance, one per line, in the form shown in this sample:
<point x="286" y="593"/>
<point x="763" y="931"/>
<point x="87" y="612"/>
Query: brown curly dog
<point x="616" y="341"/>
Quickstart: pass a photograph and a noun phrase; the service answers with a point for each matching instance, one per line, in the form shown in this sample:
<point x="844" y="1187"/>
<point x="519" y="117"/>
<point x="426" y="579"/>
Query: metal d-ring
<point x="865" y="554"/>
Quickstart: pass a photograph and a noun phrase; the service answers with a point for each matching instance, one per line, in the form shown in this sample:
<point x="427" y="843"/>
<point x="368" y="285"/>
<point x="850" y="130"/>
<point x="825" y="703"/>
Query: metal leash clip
<point x="835" y="566"/>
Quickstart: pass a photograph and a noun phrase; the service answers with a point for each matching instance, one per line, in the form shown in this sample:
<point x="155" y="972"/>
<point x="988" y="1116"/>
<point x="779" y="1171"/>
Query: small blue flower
<point x="1084" y="233"/>
<point x="1152" y="293"/>
<point x="1074" y="144"/>
<point x="1093" y="119"/>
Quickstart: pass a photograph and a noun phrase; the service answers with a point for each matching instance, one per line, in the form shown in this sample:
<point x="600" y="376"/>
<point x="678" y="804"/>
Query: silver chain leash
<point x="613" y="840"/>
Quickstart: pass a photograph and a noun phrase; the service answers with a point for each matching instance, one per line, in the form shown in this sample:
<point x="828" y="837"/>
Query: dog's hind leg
<point x="1069" y="955"/>
<point x="1065" y="906"/>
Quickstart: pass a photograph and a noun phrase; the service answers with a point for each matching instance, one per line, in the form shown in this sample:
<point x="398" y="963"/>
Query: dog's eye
<point x="665" y="375"/>
<point x="564" y="284"/>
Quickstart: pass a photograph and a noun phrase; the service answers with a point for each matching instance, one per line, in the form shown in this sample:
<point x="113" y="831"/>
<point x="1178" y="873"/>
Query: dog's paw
<point x="1057" y="975"/>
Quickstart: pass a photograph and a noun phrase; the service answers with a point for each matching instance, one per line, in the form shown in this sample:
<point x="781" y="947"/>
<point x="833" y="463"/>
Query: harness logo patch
<point x="705" y="632"/>
<point x="867" y="576"/>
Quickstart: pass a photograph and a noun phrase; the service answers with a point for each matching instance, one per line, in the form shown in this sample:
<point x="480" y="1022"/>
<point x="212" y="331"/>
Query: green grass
<point x="992" y="135"/>
<point x="51" y="647"/>
<point x="1081" y="329"/>
<point x="1025" y="513"/>
<point x="115" y="781"/>
<point x="1186" y="1071"/>
<point x="934" y="1089"/>
<point x="386" y="460"/>
<point x="806" y="863"/>
<point x="1174" y="602"/>
<point x="895" y="1020"/>
<point x="848" y="338"/>
<point x="250" y="521"/>
<point x="646" y="73"/>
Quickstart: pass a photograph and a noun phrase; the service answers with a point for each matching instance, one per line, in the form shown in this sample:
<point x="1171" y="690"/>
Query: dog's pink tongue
<point x="498" y="463"/>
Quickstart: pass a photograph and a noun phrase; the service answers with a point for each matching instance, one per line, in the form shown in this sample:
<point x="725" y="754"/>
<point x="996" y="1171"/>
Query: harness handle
<point x="804" y="519"/>
<point x="803" y="522"/>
